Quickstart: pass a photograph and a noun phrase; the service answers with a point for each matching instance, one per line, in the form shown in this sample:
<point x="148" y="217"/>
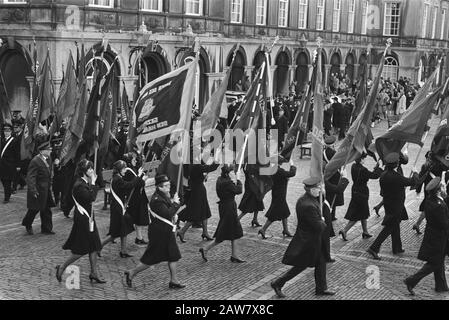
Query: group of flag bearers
<point x="315" y="210"/>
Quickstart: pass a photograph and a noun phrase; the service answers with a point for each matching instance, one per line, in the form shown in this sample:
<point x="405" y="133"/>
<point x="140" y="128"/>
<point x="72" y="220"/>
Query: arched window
<point x="391" y="69"/>
<point x="96" y="62"/>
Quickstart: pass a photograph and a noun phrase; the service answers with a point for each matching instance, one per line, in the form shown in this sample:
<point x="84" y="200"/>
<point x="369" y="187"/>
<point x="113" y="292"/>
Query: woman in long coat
<point x="358" y="209"/>
<point x="229" y="227"/>
<point x="251" y="202"/>
<point x="161" y="234"/>
<point x="121" y="223"/>
<point x="197" y="206"/>
<point x="138" y="201"/>
<point x="83" y="238"/>
<point x="434" y="247"/>
<point x="279" y="210"/>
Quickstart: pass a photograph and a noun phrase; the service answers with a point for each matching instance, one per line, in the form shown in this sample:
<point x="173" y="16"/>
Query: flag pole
<point x="97" y="113"/>
<point x="270" y="79"/>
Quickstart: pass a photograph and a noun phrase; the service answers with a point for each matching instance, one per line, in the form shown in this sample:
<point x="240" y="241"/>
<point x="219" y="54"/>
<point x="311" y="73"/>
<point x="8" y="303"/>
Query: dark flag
<point x="363" y="90"/>
<point x="440" y="143"/>
<point x="89" y="133"/>
<point x="46" y="93"/>
<point x="359" y="135"/>
<point x="124" y="106"/>
<point x="413" y="123"/>
<point x="131" y="139"/>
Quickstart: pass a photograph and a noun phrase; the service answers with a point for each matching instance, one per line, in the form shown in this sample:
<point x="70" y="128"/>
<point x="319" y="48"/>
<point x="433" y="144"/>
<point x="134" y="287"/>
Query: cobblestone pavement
<point x="27" y="262"/>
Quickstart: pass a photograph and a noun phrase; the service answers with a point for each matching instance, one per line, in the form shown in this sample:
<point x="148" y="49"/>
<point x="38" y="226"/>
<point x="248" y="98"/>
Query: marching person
<point x="229" y="227"/>
<point x="251" y="201"/>
<point x="358" y="209"/>
<point x="84" y="238"/>
<point x="279" y="210"/>
<point x="434" y="247"/>
<point x="392" y="186"/>
<point x="197" y="206"/>
<point x="39" y="198"/>
<point x="121" y="222"/>
<point x="9" y="159"/>
<point x="22" y="165"/>
<point x="306" y="249"/>
<point x="161" y="234"/>
<point x="138" y="200"/>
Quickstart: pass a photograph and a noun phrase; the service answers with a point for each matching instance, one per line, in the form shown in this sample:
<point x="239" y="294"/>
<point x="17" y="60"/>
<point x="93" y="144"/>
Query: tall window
<point x="237" y="11"/>
<point x="364" y="16"/>
<point x="283" y="13"/>
<point x="392" y="19"/>
<point x="443" y="23"/>
<point x="151" y="5"/>
<point x="303" y="11"/>
<point x="425" y="21"/>
<point x="434" y="22"/>
<point x="320" y="14"/>
<point x="102" y="3"/>
<point x="336" y="16"/>
<point x="351" y="16"/>
<point x="194" y="7"/>
<point x="391" y="69"/>
<point x="261" y="12"/>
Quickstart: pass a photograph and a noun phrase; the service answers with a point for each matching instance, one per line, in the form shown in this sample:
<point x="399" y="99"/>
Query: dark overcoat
<point x="279" y="208"/>
<point x="250" y="201"/>
<point x="138" y="202"/>
<point x="9" y="158"/>
<point x="335" y="186"/>
<point x="306" y="246"/>
<point x="39" y="181"/>
<point x="434" y="246"/>
<point x="81" y="241"/>
<point x="229" y="227"/>
<point x="392" y="189"/>
<point x="162" y="244"/>
<point x="358" y="207"/>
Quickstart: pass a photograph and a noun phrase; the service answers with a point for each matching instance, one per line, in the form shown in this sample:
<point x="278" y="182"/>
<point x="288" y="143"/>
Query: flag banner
<point x="165" y="104"/>
<point x="131" y="138"/>
<point x="363" y="90"/>
<point x="316" y="164"/>
<point x="46" y="93"/>
<point x="413" y="123"/>
<point x="109" y="103"/>
<point x="359" y="136"/>
<point x="89" y="131"/>
<point x="124" y="106"/>
<point x="440" y="143"/>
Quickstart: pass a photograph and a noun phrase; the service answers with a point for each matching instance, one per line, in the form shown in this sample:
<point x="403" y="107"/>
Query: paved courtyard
<point x="27" y="262"/>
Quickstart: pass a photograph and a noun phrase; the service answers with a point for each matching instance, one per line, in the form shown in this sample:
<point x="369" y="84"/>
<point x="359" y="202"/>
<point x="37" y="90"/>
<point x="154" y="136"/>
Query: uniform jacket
<point x="161" y="205"/>
<point x="39" y="182"/>
<point x="10" y="160"/>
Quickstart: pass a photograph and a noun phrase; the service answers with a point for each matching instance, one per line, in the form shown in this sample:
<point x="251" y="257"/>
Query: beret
<point x="7" y="125"/>
<point x="312" y="182"/>
<point x="44" y="146"/>
<point x="161" y="179"/>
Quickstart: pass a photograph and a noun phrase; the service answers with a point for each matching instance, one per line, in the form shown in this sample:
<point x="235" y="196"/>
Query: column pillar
<point x="326" y="76"/>
<point x="30" y="80"/>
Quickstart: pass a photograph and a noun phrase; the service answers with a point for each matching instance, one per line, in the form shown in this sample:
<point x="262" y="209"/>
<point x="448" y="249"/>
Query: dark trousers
<point x="19" y="180"/>
<point x="7" y="187"/>
<point x="438" y="273"/>
<point x="320" y="275"/>
<point x="395" y="231"/>
<point x="46" y="219"/>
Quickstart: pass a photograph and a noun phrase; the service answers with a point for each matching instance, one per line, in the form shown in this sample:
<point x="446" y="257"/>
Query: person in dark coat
<point x="282" y="127"/>
<point x="58" y="180"/>
<point x="197" y="206"/>
<point x="358" y="209"/>
<point x="9" y="158"/>
<point x="22" y="165"/>
<point x="335" y="185"/>
<point x="121" y="223"/>
<point x="39" y="198"/>
<point x="339" y="116"/>
<point x="279" y="210"/>
<point x="327" y="118"/>
<point x="306" y="249"/>
<point x="161" y="234"/>
<point x="251" y="201"/>
<point x="392" y="185"/>
<point x="329" y="232"/>
<point x="138" y="201"/>
<point x="84" y="238"/>
<point x="229" y="227"/>
<point x="434" y="247"/>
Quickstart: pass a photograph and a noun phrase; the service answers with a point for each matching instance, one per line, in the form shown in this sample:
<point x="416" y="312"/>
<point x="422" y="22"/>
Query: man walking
<point x="9" y="157"/>
<point x="39" y="198"/>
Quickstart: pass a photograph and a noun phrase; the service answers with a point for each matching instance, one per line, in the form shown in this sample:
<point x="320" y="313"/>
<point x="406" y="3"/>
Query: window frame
<point x="434" y="22"/>
<point x="265" y="3"/>
<point x="200" y="8"/>
<point x="14" y="2"/>
<point x="364" y="30"/>
<point x="351" y="21"/>
<point x="443" y="22"/>
<point x="110" y="6"/>
<point x="425" y="20"/>
<point x="240" y="13"/>
<point x="287" y="2"/>
<point x="322" y="21"/>
<point x="336" y="13"/>
<point x="306" y="13"/>
<point x="159" y="4"/>
<point x="398" y="3"/>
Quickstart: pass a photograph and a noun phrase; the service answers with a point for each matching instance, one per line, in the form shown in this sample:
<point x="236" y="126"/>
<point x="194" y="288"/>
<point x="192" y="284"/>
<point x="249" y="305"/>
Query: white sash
<point x="164" y="220"/>
<point x="327" y="204"/>
<point x="83" y="211"/>
<point x="6" y="146"/>
<point x="118" y="200"/>
<point x="132" y="171"/>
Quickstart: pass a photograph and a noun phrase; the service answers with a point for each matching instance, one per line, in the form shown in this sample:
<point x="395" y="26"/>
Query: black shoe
<point x="262" y="234"/>
<point x="138" y="241"/>
<point x="330" y="260"/>
<point x="173" y="285"/>
<point x="416" y="228"/>
<point x="30" y="230"/>
<point x="343" y="235"/>
<point x="255" y="224"/>
<point x="67" y="214"/>
<point x="324" y="293"/>
<point x="366" y="236"/>
<point x="203" y="255"/>
<point x="441" y="290"/>
<point x="206" y="237"/>
<point x="58" y="276"/>
<point x="287" y="234"/>
<point x="236" y="260"/>
<point x="92" y="278"/>
<point x="125" y="255"/>
<point x="181" y="238"/>
<point x="373" y="253"/>
<point x="334" y="219"/>
<point x="5" y="201"/>
<point x="399" y="251"/>
<point x="129" y="283"/>
<point x="48" y="232"/>
<point x="277" y="290"/>
<point x="409" y="288"/>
